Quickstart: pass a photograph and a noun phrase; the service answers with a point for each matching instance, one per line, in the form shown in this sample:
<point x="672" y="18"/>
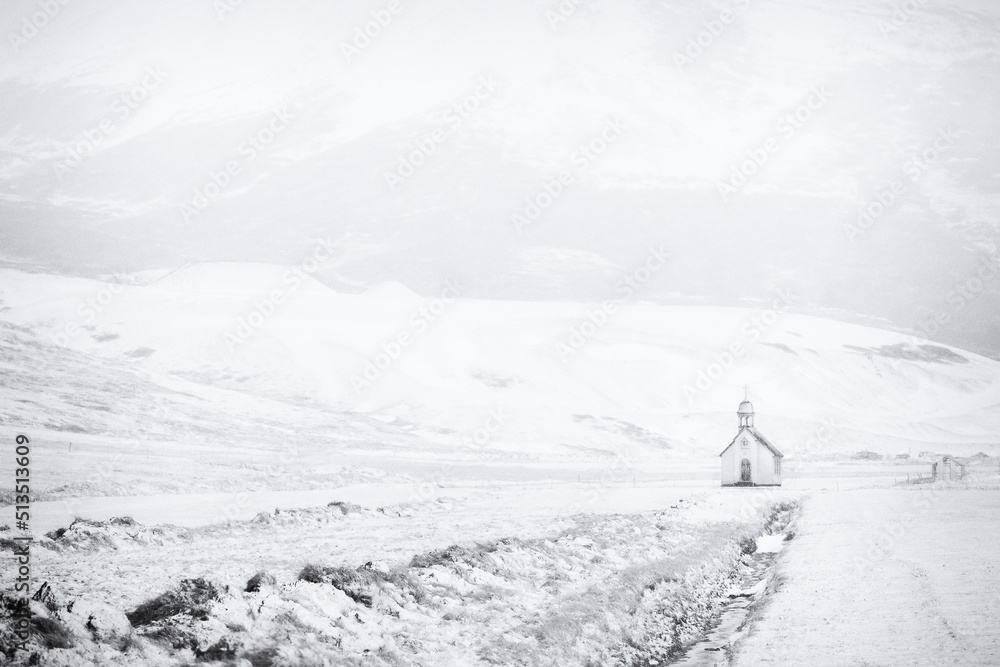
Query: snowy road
<point x="887" y="577"/>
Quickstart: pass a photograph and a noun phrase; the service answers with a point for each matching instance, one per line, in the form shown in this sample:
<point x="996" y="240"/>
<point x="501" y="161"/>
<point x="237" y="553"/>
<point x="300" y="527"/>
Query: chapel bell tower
<point x="745" y="412"/>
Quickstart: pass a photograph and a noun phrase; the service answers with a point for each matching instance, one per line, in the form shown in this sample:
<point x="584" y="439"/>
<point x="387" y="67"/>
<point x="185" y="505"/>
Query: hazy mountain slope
<point x="185" y="91"/>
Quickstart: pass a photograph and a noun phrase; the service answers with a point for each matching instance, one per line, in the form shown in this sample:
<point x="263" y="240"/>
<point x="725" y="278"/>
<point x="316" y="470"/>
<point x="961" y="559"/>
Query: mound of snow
<point x="115" y="533"/>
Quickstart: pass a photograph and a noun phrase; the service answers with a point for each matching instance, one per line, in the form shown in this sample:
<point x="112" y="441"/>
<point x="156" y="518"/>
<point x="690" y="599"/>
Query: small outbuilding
<point x="948" y="468"/>
<point x="750" y="459"/>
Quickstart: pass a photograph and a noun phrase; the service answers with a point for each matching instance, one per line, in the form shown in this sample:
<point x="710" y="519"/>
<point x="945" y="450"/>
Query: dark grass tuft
<point x="259" y="580"/>
<point x="747" y="544"/>
<point x="362" y="584"/>
<point x="779" y="516"/>
<point x="267" y="657"/>
<point x="51" y="633"/>
<point x="192" y="598"/>
<point x="174" y="637"/>
<point x="7" y="544"/>
<point x="56" y="534"/>
<point x="224" y="649"/>
<point x="129" y="643"/>
<point x="346" y="508"/>
<point x="11" y="604"/>
<point x="478" y="556"/>
<point x="313" y="574"/>
<point x="122" y="521"/>
<point x="359" y="585"/>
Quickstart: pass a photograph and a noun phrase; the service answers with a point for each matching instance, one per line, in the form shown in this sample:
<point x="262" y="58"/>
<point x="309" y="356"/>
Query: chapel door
<point x="745" y="471"/>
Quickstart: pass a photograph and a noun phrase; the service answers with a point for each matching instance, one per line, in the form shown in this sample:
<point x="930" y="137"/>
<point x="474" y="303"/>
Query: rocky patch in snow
<point x="115" y="533"/>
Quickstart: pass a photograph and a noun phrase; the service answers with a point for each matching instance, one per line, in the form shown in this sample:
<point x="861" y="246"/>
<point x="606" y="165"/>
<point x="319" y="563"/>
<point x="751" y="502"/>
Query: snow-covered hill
<point x="250" y="352"/>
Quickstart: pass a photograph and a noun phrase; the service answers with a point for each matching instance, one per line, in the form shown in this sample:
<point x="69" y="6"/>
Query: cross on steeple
<point x="746" y="390"/>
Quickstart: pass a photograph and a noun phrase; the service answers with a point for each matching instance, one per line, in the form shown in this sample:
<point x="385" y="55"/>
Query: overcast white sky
<point x="161" y="97"/>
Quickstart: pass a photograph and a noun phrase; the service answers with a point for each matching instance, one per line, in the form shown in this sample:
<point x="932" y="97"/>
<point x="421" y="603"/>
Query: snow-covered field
<point x="519" y="575"/>
<point x="497" y="577"/>
<point x="485" y="499"/>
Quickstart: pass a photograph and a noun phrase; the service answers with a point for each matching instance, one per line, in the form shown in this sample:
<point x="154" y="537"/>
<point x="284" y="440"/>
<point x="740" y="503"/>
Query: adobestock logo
<point x="225" y="7"/>
<point x="900" y="16"/>
<point x="750" y="332"/>
<point x="33" y="24"/>
<point x="786" y="127"/>
<point x="890" y="195"/>
<point x="267" y="305"/>
<point x="964" y="292"/>
<point x="562" y="12"/>
<point x="363" y="35"/>
<point x="419" y="322"/>
<point x="553" y="188"/>
<point x="427" y="145"/>
<point x="705" y="39"/>
<point x="598" y="318"/>
<point x="249" y="150"/>
<point x="464" y="451"/>
<point x="622" y="464"/>
<point x="89" y="308"/>
<point x="121" y="110"/>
